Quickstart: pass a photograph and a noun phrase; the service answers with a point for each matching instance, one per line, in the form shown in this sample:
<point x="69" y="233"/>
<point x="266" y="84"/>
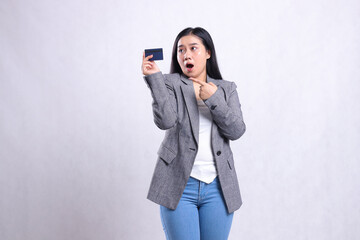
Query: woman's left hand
<point x="206" y="89"/>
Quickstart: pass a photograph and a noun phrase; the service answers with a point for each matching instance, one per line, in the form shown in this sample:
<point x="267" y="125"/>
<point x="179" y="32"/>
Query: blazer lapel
<point x="191" y="105"/>
<point x="214" y="81"/>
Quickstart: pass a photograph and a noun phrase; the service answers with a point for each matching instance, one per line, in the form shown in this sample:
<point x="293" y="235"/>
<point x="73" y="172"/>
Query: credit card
<point x="157" y="52"/>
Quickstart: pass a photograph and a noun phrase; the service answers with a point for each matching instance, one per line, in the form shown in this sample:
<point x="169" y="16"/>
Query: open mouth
<point x="189" y="66"/>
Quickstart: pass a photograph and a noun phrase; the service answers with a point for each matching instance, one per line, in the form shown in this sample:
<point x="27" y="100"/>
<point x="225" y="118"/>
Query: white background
<point x="77" y="139"/>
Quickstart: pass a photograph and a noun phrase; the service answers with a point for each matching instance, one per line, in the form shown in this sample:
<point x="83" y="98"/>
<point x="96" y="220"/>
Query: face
<point x="192" y="56"/>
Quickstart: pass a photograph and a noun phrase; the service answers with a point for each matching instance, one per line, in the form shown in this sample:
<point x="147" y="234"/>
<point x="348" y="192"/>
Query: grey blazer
<point x="175" y="110"/>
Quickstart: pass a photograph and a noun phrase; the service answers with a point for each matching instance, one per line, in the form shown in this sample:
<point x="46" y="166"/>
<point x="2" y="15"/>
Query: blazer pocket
<point x="166" y="154"/>
<point x="230" y="162"/>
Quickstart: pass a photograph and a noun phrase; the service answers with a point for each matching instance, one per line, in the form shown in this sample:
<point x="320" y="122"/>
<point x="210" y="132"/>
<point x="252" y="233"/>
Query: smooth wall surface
<point x="77" y="139"/>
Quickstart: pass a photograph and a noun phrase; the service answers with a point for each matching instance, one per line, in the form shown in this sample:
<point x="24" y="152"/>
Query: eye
<point x="193" y="48"/>
<point x="181" y="50"/>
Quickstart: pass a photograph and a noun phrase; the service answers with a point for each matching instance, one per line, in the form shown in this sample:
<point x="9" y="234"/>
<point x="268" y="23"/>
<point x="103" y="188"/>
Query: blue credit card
<point x="157" y="52"/>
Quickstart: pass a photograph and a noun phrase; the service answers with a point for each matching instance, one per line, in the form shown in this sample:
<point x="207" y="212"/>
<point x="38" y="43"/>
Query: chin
<point x="190" y="74"/>
<point x="187" y="74"/>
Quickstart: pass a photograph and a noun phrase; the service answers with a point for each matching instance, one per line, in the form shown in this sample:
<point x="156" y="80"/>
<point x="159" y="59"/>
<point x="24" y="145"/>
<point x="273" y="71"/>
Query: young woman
<point x="194" y="181"/>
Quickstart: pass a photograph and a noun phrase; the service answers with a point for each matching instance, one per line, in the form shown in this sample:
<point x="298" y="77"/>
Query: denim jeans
<point x="200" y="214"/>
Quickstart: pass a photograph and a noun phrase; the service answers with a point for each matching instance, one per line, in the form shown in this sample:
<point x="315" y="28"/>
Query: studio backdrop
<point x="77" y="139"/>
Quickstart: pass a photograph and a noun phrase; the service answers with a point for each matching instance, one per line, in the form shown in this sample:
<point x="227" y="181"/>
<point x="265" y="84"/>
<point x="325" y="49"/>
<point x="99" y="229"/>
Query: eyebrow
<point x="189" y="44"/>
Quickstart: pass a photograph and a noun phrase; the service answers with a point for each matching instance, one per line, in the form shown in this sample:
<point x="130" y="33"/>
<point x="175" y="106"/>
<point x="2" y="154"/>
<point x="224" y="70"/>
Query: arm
<point x="164" y="100"/>
<point x="227" y="115"/>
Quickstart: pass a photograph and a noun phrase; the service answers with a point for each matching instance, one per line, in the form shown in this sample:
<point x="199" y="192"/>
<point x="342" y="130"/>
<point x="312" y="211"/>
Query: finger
<point x="151" y="63"/>
<point x="148" y="57"/>
<point x="143" y="55"/>
<point x="212" y="84"/>
<point x="147" y="66"/>
<point x="197" y="81"/>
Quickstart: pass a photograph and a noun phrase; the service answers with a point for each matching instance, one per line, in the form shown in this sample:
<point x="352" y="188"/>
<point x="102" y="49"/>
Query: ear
<point x="208" y="54"/>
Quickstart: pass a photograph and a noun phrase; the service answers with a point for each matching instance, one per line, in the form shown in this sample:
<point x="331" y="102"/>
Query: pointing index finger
<point x="197" y="81"/>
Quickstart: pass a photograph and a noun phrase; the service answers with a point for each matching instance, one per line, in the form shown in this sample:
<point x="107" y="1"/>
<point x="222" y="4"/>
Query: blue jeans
<point x="200" y="214"/>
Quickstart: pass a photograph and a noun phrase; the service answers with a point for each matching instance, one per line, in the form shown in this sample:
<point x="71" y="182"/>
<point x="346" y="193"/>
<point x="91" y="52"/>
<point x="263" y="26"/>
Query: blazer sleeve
<point x="227" y="114"/>
<point x="164" y="103"/>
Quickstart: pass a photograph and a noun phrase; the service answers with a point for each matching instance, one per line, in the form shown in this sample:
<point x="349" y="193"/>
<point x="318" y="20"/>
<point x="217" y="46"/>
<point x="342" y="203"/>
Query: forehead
<point x="189" y="40"/>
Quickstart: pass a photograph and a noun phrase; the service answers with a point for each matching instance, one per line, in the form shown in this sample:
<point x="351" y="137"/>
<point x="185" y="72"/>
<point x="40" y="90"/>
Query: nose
<point x="187" y="56"/>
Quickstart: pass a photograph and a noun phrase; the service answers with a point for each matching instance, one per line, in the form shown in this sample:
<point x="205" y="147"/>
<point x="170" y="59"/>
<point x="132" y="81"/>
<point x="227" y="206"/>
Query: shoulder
<point x="172" y="75"/>
<point x="170" y="79"/>
<point x="228" y="86"/>
<point x="173" y="78"/>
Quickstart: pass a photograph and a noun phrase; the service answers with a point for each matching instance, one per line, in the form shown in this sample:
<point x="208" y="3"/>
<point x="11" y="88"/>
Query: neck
<point x="202" y="77"/>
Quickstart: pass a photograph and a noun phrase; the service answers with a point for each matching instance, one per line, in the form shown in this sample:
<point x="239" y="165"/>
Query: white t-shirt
<point x="204" y="168"/>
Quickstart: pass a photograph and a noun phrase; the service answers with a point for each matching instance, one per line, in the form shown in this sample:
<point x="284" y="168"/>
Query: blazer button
<point x="218" y="153"/>
<point x="213" y="107"/>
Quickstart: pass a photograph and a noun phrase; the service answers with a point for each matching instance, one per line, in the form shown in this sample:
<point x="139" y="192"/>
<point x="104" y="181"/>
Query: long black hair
<point x="212" y="68"/>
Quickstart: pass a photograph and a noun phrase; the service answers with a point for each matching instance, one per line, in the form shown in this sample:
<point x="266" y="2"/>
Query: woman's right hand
<point x="149" y="67"/>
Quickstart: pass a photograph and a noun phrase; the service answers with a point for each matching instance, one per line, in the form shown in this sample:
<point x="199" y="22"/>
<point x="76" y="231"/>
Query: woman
<point x="194" y="180"/>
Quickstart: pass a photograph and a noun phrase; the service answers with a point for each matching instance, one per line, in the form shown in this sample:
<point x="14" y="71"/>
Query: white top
<point x="204" y="168"/>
